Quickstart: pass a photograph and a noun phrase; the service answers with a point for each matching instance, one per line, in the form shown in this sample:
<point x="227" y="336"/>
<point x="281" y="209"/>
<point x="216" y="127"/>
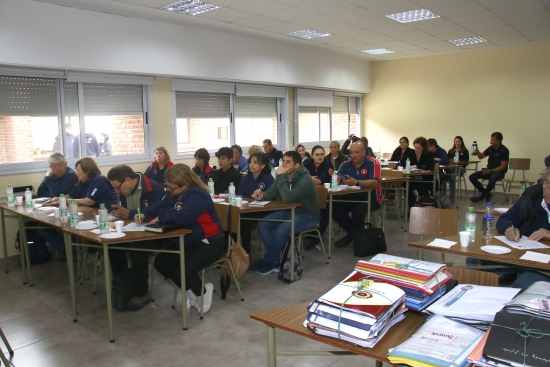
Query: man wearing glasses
<point x="60" y="178"/>
<point x="364" y="172"/>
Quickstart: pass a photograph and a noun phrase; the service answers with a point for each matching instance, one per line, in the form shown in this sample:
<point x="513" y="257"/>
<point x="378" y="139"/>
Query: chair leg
<point x="237" y="283"/>
<point x="152" y="287"/>
<point x="5" y="340"/>
<point x="175" y="297"/>
<point x="322" y="245"/>
<point x="202" y="295"/>
<point x="301" y="245"/>
<point x="96" y="269"/>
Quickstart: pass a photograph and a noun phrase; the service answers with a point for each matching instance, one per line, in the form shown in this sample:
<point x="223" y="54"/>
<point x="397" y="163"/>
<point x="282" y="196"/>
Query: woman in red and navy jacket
<point x="186" y="203"/>
<point x="202" y="167"/>
<point x="158" y="168"/>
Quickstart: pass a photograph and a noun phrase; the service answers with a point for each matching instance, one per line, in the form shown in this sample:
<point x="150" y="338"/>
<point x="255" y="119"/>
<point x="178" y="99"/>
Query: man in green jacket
<point x="295" y="185"/>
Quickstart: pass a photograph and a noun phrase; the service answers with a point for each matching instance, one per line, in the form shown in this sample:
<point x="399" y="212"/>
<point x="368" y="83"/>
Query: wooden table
<point x="95" y="240"/>
<point x="272" y="206"/>
<point x="424" y="173"/>
<point x="291" y="319"/>
<point x="473" y="250"/>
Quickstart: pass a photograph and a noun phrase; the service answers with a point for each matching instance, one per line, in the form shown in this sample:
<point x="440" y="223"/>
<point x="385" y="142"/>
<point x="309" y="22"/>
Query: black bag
<point x="36" y="245"/>
<point x="284" y="263"/>
<point x="369" y="241"/>
<point x="442" y="201"/>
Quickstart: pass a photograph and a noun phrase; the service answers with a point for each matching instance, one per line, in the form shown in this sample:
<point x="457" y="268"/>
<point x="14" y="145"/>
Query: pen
<point x="139" y="215"/>
<point x="514" y="229"/>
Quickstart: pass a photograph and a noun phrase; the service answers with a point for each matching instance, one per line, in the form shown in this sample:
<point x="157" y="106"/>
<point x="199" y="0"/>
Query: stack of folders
<point x="474" y="305"/>
<point x="357" y="311"/>
<point x="440" y="342"/>
<point x="535" y="301"/>
<point x="423" y="281"/>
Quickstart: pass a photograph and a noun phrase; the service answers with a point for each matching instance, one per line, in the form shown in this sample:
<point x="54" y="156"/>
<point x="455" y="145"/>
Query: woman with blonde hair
<point x="336" y="157"/>
<point x="158" y="168"/>
<point x="187" y="203"/>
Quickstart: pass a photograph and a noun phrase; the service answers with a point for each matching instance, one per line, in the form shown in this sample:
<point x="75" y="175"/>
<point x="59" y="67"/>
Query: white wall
<point x="41" y="34"/>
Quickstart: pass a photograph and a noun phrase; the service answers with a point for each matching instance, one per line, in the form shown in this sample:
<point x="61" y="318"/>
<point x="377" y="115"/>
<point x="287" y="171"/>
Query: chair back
<point x="223" y="213"/>
<point x="386" y="155"/>
<point x="322" y="196"/>
<point x="477" y="277"/>
<point x="386" y="173"/>
<point x="433" y="222"/>
<point x="520" y="164"/>
<point x="451" y="161"/>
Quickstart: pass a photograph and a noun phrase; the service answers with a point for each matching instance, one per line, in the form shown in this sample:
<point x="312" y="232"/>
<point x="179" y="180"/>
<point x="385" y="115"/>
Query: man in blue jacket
<point x="60" y="178"/>
<point x="274" y="155"/>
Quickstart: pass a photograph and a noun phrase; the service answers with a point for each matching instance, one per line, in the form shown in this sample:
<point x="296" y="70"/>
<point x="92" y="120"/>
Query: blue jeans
<point x="54" y="238"/>
<point x="452" y="180"/>
<point x="493" y="178"/>
<point x="275" y="234"/>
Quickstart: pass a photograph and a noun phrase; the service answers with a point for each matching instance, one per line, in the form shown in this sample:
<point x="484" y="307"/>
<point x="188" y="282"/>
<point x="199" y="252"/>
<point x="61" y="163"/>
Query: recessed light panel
<point x="307" y="34"/>
<point x="378" y="51"/>
<point x="190" y="7"/>
<point x="467" y="41"/>
<point x="413" y="16"/>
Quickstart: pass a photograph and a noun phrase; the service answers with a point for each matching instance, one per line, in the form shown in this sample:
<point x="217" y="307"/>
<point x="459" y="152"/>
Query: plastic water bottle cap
<point x="489" y="203"/>
<point x="471" y="208"/>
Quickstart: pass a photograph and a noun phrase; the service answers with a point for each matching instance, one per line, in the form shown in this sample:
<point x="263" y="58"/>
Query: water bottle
<point x="63" y="212"/>
<point x="488" y="218"/>
<point x="28" y="201"/>
<point x="73" y="213"/>
<point x="280" y="162"/>
<point x="11" y="198"/>
<point x="103" y="219"/>
<point x="457" y="156"/>
<point x="273" y="172"/>
<point x="522" y="190"/>
<point x="231" y="194"/>
<point x="471" y="223"/>
<point x="379" y="155"/>
<point x="408" y="166"/>
<point x="334" y="182"/>
<point x="211" y="187"/>
<point x="474" y="148"/>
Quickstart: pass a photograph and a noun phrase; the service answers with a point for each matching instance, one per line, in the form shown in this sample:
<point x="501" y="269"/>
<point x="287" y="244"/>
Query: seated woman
<point x="92" y="189"/>
<point x="202" y="168"/>
<point x="402" y="152"/>
<point x="336" y="157"/>
<point x="253" y="149"/>
<point x="303" y="153"/>
<point x="258" y="178"/>
<point x="162" y="162"/>
<point x="189" y="205"/>
<point x="423" y="159"/>
<point x="321" y="171"/>
<point x="463" y="155"/>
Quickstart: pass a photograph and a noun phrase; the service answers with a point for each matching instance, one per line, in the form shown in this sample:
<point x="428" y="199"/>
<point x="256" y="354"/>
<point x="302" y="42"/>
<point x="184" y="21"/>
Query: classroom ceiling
<point x="357" y="25"/>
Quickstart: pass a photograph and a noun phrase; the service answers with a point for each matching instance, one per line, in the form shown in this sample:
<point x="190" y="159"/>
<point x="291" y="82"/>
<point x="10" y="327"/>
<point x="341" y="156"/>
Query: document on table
<point x="259" y="203"/>
<point x="135" y="227"/>
<point x="524" y="243"/>
<point x="536" y="256"/>
<point x="441" y="243"/>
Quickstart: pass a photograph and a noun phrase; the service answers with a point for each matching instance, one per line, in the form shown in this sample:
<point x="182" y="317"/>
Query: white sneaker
<point x="207" y="298"/>
<point x="192" y="298"/>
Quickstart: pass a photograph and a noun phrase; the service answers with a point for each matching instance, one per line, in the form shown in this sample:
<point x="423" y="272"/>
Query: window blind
<point x="190" y="85"/>
<point x="200" y="105"/>
<point x="112" y="99"/>
<point x="21" y="96"/>
<point x="70" y="98"/>
<point x="353" y="105"/>
<point x="314" y="98"/>
<point x="255" y="107"/>
<point x="252" y="90"/>
<point x="340" y="104"/>
<point x="109" y="78"/>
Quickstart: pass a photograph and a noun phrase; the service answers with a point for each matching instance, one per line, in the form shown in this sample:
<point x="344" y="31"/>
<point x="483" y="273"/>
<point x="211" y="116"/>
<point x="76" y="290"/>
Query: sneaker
<point x="253" y="267"/>
<point x="209" y="290"/>
<point x="267" y="269"/>
<point x="192" y="299"/>
<point x="137" y="303"/>
<point x="342" y="242"/>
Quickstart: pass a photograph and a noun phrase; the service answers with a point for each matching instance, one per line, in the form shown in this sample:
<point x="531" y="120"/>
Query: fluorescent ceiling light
<point x="467" y="41"/>
<point x="413" y="16"/>
<point x="378" y="51"/>
<point x="190" y="7"/>
<point x="307" y="34"/>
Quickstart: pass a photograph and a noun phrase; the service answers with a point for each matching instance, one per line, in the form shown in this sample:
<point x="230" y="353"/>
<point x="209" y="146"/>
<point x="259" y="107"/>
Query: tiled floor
<point x="37" y="321"/>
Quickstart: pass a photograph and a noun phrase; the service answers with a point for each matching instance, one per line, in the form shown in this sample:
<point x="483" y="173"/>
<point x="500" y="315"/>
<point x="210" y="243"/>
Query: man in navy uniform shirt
<point x="274" y="155"/>
<point x="226" y="174"/>
<point x="440" y="155"/>
<point x="497" y="166"/>
<point x="360" y="171"/>
<point x="60" y="178"/>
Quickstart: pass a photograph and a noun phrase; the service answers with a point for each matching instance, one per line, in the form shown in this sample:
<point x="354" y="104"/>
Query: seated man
<point x="136" y="191"/>
<point x="497" y="166"/>
<point x="294" y="184"/>
<point x="274" y="155"/>
<point x="441" y="157"/>
<point x="239" y="160"/>
<point x="360" y="171"/>
<point x="226" y="174"/>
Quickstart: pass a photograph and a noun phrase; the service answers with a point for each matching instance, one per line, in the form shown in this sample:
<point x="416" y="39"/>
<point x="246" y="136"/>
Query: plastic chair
<point x="8" y="347"/>
<point x="517" y="164"/>
<point x="477" y="277"/>
<point x="322" y="196"/>
<point x="433" y="222"/>
<point x="395" y="187"/>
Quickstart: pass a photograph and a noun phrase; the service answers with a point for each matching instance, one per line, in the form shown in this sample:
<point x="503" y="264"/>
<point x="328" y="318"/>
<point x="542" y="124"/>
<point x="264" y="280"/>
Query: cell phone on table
<point x="344" y="177"/>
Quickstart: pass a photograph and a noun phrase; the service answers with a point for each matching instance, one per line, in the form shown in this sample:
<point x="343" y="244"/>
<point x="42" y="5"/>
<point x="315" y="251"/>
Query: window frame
<point x="61" y="77"/>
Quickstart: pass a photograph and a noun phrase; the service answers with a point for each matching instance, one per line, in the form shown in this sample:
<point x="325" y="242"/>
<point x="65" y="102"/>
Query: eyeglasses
<point x="319" y="154"/>
<point x="57" y="165"/>
<point x="351" y="152"/>
<point x="170" y="189"/>
<point x="119" y="186"/>
<point x="546" y="184"/>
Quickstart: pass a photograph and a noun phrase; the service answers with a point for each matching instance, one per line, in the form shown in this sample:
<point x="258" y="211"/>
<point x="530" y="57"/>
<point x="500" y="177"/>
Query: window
<point x="314" y="124"/>
<point x="344" y="117"/>
<point x="109" y="116"/>
<point x="215" y="114"/>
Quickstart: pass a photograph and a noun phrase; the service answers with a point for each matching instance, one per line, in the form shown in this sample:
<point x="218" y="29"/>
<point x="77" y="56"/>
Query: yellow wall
<point x="472" y="94"/>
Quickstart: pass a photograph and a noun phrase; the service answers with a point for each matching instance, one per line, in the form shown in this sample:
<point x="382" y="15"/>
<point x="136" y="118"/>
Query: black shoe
<point x="308" y="243"/>
<point x="475" y="199"/>
<point x="342" y="242"/>
<point x="488" y="197"/>
<point x="121" y="293"/>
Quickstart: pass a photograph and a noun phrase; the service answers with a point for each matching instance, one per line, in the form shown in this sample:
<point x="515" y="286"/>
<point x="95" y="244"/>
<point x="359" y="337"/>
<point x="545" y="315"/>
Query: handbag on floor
<point x="369" y="241"/>
<point x="284" y="262"/>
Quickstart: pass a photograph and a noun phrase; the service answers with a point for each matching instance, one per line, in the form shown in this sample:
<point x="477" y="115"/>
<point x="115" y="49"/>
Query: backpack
<point x="284" y="262"/>
<point x="442" y="201"/>
<point x="36" y="245"/>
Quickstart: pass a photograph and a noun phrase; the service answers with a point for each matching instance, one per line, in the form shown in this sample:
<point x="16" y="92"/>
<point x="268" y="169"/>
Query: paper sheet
<point x="135" y="227"/>
<point x="442" y="243"/>
<point x="259" y="203"/>
<point x="523" y="244"/>
<point x="536" y="256"/>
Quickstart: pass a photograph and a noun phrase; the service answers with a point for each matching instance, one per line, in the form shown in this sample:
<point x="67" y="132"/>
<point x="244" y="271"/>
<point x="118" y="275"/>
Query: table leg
<point x="330" y="227"/>
<point x="4" y="246"/>
<point x="457" y="185"/>
<point x="271" y="347"/>
<point x="183" y="285"/>
<point x="406" y="205"/>
<point x="368" y="206"/>
<point x="70" y="267"/>
<point x="292" y="217"/>
<point x="107" y="266"/>
<point x="379" y="364"/>
<point x="24" y="249"/>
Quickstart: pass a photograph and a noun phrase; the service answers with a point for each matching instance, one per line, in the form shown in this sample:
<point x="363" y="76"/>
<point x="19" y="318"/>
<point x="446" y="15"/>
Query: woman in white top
<point x="300" y="149"/>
